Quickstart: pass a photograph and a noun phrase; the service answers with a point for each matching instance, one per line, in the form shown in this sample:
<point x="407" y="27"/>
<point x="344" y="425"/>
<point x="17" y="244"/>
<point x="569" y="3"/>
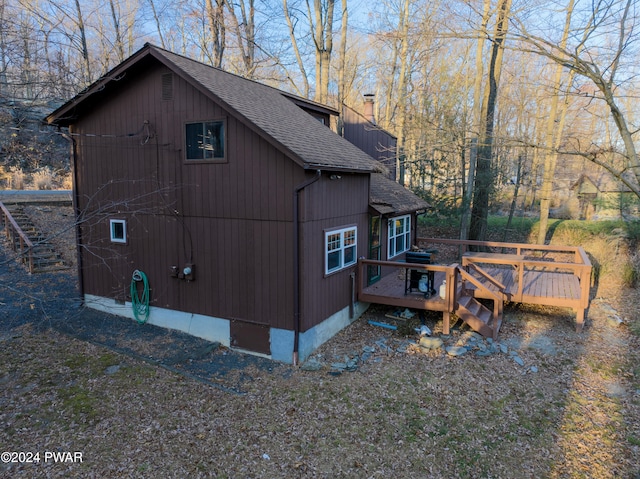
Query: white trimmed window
<point x="340" y="249"/>
<point x="399" y="235"/>
<point x="118" y="231"/>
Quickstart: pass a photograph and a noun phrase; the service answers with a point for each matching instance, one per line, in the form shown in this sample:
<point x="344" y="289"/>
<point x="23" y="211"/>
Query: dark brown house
<point x="245" y="213"/>
<point x="361" y="130"/>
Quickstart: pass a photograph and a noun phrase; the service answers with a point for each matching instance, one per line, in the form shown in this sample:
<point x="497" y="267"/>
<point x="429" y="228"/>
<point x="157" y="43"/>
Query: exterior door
<point x="373" y="271"/>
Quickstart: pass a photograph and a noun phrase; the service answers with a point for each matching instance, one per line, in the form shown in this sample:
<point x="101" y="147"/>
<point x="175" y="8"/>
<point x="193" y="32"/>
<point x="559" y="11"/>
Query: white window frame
<point x="113" y="236"/>
<point x="394" y="235"/>
<point x="344" y="242"/>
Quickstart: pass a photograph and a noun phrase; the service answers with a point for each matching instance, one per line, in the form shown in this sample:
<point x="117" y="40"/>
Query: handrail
<point x="581" y="256"/>
<point x="488" y="277"/>
<point x="25" y="244"/>
<point x="497" y="300"/>
<point x="581" y="268"/>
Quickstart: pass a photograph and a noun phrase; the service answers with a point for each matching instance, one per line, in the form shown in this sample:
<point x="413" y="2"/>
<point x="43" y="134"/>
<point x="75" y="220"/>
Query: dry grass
<point x="399" y="415"/>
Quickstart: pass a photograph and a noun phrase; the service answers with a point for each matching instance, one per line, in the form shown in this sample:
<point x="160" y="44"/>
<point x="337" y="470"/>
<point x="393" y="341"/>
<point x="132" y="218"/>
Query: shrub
<point x="631" y="271"/>
<point x="66" y="181"/>
<point x="16" y="178"/>
<point x="43" y="179"/>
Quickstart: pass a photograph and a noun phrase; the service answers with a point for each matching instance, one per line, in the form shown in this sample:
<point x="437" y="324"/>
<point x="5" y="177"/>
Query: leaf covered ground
<point x="572" y="410"/>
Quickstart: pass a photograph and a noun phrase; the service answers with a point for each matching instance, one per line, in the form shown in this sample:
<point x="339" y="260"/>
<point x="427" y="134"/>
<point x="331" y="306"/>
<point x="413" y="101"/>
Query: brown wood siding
<point x="374" y="141"/>
<point x="330" y="204"/>
<point x="232" y="219"/>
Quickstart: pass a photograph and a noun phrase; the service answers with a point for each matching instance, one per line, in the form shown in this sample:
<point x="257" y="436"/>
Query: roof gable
<point x="266" y="110"/>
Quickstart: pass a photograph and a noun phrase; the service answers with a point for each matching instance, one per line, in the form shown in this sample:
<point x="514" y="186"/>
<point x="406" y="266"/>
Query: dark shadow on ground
<point x="51" y="300"/>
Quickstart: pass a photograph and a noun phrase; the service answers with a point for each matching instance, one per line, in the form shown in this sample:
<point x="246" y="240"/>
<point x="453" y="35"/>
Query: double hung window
<point x="340" y="248"/>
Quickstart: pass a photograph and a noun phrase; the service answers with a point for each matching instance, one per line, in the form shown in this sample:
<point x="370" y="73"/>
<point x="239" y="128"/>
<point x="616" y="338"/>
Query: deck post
<point x="579" y="320"/>
<point x="446" y="322"/>
<point x="585" y="289"/>
<point x="449" y="298"/>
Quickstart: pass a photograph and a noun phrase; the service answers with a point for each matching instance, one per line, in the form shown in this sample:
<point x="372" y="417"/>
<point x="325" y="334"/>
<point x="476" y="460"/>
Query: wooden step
<point x="476" y="315"/>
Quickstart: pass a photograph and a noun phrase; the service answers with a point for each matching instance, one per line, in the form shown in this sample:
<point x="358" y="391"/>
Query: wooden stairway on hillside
<point x="43" y="253"/>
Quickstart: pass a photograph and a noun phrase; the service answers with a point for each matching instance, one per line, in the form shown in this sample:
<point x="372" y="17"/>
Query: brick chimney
<point x="368" y="107"/>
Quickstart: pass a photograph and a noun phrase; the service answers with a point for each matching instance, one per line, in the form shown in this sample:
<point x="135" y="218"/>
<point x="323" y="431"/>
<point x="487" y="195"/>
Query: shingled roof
<point x="266" y="110"/>
<point x="388" y="197"/>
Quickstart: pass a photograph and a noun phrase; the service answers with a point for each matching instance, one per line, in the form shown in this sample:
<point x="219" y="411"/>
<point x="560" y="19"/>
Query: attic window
<point x="167" y="86"/>
<point x="205" y="141"/>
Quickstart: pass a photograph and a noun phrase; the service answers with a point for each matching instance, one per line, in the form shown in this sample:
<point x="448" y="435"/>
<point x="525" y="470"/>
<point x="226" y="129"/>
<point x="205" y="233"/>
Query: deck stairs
<point x="45" y="256"/>
<point x="478" y="316"/>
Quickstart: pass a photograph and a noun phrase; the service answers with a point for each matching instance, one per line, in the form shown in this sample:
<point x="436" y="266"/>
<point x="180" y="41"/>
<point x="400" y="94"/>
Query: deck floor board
<point x="539" y="287"/>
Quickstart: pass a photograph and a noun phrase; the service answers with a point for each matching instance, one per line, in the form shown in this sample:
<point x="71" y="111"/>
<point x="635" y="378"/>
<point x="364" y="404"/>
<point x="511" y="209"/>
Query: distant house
<point x="244" y="211"/>
<point x="603" y="197"/>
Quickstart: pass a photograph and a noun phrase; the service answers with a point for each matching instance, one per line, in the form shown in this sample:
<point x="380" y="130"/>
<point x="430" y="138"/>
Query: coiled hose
<point x="140" y="304"/>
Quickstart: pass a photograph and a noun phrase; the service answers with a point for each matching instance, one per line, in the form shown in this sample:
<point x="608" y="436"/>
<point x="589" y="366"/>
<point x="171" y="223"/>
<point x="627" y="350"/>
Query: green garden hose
<point x="139" y="304"/>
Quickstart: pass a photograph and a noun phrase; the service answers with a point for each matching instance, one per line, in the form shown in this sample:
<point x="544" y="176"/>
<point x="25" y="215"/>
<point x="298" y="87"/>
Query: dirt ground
<point x="130" y="401"/>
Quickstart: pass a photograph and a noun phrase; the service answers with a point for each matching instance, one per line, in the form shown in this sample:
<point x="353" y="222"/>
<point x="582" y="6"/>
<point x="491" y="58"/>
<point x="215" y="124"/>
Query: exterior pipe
<point x="296" y="263"/>
<point x="76" y="206"/>
<point x="352" y="304"/>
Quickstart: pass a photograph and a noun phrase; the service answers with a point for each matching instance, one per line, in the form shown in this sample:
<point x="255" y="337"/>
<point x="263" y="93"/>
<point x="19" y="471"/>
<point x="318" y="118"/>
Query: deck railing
<point x="535" y="257"/>
<point x="17" y="238"/>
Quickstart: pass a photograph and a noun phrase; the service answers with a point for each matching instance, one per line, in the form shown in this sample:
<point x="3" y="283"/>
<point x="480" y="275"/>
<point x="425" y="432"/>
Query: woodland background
<point x="523" y="97"/>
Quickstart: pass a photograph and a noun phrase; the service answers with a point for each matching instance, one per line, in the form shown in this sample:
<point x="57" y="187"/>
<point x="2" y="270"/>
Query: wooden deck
<point x="530" y="274"/>
<point x="390" y="290"/>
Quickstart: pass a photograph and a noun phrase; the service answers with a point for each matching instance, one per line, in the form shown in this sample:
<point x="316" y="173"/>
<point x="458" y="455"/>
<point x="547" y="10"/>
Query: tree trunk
<point x="296" y="50"/>
<point x="323" y="41"/>
<point x="218" y="31"/>
<point x="477" y="115"/>
<point x="553" y="134"/>
<point x="157" y="20"/>
<point x="245" y="34"/>
<point x="514" y="200"/>
<point x="468" y="192"/>
<point x="119" y="45"/>
<point x="83" y="41"/>
<point x="403" y="81"/>
<point x="484" y="174"/>
<point x="342" y="62"/>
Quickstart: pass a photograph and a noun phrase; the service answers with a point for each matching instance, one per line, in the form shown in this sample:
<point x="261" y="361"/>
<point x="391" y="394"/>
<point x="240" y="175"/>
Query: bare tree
<point x="322" y="34"/>
<point x="292" y="22"/>
<point x="245" y="33"/>
<point x="553" y="134"/>
<point x="477" y="112"/>
<point x="403" y="82"/>
<point x="600" y="63"/>
<point x="119" y="44"/>
<point x="484" y="176"/>
<point x="83" y="43"/>
<point x="156" y="19"/>
<point x="217" y="27"/>
<point x="342" y="60"/>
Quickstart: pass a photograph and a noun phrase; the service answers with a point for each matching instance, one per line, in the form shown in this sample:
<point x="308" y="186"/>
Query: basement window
<point x="118" y="229"/>
<point x="340" y="249"/>
<point x="205" y="141"/>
